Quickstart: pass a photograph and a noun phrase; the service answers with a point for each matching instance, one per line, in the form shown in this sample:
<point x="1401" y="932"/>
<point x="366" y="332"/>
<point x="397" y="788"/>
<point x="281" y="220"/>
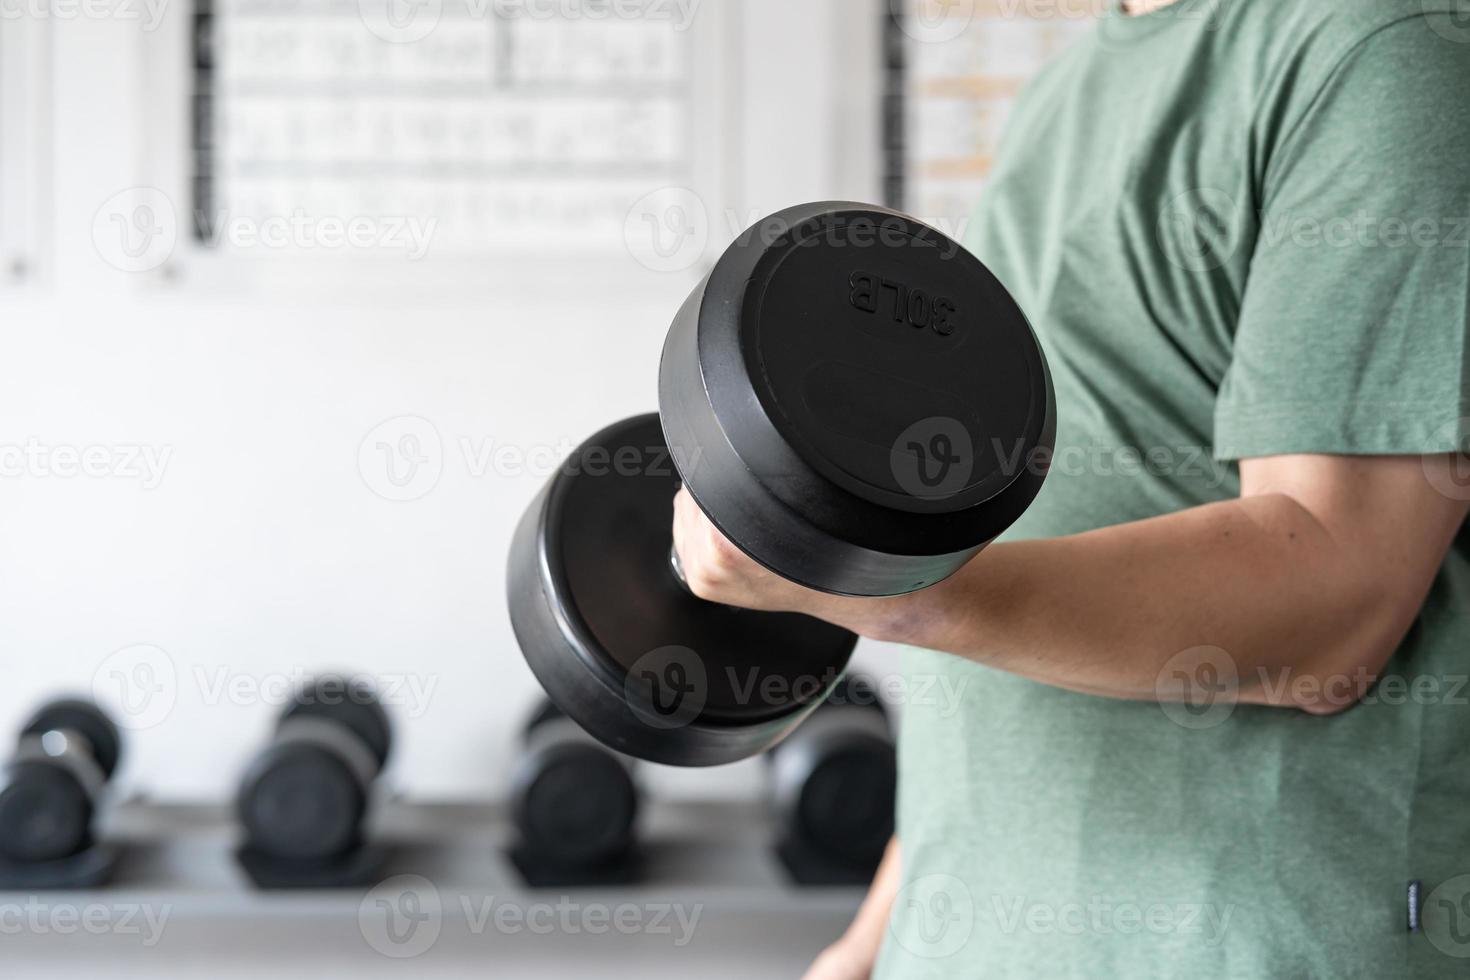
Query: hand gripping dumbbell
<point x="305" y="797"/>
<point x="51" y="787"/>
<point x="833" y="786"/>
<point x="574" y="804"/>
<point x="857" y="404"/>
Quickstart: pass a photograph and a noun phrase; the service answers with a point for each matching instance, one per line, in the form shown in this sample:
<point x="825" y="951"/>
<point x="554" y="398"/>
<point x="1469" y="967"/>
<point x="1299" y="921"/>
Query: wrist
<point x="868" y="617"/>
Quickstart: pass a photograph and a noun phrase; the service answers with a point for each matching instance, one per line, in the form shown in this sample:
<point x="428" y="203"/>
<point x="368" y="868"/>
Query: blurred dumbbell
<point x="573" y="801"/>
<point x="50" y="788"/>
<point x="833" y="785"/>
<point x="305" y="797"/>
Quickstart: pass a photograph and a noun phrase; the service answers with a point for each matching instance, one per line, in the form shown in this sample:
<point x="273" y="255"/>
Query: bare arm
<point x="854" y="955"/>
<point x="1317" y="570"/>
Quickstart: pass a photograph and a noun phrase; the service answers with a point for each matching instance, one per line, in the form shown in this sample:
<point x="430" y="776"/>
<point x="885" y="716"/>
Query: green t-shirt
<point x="1241" y="228"/>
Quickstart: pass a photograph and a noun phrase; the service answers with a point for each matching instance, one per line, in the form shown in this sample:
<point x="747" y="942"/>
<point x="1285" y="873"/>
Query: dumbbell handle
<point x="677" y="567"/>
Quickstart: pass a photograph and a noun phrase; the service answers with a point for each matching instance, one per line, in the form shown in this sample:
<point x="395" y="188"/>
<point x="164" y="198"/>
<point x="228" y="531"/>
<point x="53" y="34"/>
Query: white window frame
<point x="167" y="80"/>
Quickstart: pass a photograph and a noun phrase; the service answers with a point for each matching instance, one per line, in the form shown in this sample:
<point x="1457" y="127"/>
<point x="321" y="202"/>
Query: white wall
<point x="264" y="553"/>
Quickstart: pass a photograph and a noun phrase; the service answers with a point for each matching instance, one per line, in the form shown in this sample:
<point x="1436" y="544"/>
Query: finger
<point x="686" y="537"/>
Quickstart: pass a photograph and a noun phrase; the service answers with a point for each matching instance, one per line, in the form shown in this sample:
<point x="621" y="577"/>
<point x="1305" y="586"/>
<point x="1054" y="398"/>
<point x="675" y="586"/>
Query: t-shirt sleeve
<point x="1352" y="332"/>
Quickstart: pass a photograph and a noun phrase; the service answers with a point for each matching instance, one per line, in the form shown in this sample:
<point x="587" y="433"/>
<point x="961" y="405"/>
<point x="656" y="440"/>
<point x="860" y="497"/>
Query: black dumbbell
<point x="304" y="798"/>
<point x="856" y="403"/>
<point x="833" y="783"/>
<point x="573" y="801"/>
<point x="49" y="790"/>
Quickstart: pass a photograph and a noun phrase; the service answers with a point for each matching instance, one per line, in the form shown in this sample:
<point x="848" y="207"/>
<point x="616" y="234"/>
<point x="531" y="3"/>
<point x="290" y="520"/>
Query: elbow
<point x="1347" y="673"/>
<point x="1324" y="694"/>
<point x="1327" y="707"/>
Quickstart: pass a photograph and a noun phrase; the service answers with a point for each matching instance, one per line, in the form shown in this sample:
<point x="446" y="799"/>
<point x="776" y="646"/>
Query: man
<point x="1214" y="719"/>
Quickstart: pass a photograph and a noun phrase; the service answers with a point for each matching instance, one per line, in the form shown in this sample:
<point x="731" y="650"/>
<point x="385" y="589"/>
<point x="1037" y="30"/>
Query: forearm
<point x="1104" y="612"/>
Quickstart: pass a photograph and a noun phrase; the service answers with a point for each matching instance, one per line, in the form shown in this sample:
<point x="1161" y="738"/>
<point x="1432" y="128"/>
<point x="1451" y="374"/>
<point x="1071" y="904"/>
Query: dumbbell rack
<point x="715" y="858"/>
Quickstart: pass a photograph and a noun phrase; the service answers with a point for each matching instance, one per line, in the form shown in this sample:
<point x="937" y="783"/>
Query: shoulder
<point x="1324" y="33"/>
<point x="1370" y="69"/>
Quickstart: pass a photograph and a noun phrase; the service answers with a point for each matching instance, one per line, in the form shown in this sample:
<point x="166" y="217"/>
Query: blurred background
<point x="301" y="301"/>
